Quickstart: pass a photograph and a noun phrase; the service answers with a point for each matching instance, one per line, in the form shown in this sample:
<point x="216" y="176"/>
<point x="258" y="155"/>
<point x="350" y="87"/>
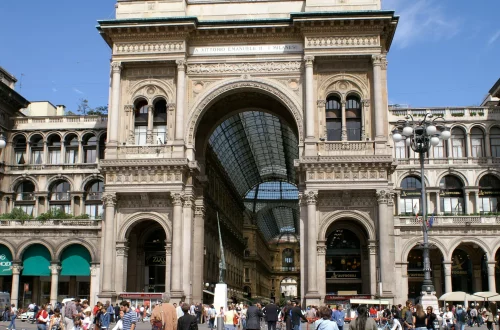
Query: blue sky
<point x="445" y="53"/>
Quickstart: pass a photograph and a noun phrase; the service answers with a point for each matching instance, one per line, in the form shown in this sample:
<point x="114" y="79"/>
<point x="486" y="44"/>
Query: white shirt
<point x="448" y="316"/>
<point x="119" y="325"/>
<point x="179" y="312"/>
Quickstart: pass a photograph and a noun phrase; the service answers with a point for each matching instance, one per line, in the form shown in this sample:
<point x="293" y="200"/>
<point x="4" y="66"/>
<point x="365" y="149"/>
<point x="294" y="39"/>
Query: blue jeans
<point x="41" y="326"/>
<point x="228" y="327"/>
<point x="12" y="324"/>
<point x="296" y="326"/>
<point x="460" y="326"/>
<point x="244" y="323"/>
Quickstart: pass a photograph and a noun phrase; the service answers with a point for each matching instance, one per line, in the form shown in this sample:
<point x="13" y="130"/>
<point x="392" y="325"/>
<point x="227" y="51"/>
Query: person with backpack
<point x="461" y="318"/>
<point x="42" y="318"/>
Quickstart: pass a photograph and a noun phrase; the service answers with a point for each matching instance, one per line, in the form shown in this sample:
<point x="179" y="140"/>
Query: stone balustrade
<point x="343" y="148"/>
<point x="467" y="114"/>
<point x="443" y="220"/>
<point x="52" y="224"/>
<point x="67" y="122"/>
<point x="454" y="161"/>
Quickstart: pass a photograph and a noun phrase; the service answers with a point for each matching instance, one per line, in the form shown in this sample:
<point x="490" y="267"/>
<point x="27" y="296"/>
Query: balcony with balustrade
<point x="467" y="114"/>
<point x="454" y="221"/>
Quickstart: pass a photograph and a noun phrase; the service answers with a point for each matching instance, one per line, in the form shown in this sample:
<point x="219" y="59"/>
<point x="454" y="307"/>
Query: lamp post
<point x="420" y="136"/>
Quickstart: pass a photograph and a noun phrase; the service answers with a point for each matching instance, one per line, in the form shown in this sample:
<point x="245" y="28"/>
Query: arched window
<point x="401" y="149"/>
<point x="25" y="197"/>
<point x="477" y="142"/>
<point x="353" y="118"/>
<point x="71" y="143"/>
<point x="141" y="122"/>
<point x="333" y="111"/>
<point x="54" y="145"/>
<point x="495" y="141"/>
<point x="439" y="151"/>
<point x="160" y="122"/>
<point x="489" y="193"/>
<point x="287" y="259"/>
<point x="93" y="199"/>
<point x="20" y="150"/>
<point x="89" y="148"/>
<point x="36" y="144"/>
<point x="343" y="255"/>
<point x="458" y="142"/>
<point x="409" y="202"/>
<point x="451" y="195"/>
<point x="60" y="197"/>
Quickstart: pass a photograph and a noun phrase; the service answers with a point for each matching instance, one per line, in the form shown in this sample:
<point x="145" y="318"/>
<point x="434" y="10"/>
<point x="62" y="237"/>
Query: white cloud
<point x="421" y="20"/>
<point x="494" y="38"/>
<point x="76" y="90"/>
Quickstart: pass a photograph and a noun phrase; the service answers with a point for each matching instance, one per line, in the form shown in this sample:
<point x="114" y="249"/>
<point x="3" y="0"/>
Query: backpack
<point x="460" y="315"/>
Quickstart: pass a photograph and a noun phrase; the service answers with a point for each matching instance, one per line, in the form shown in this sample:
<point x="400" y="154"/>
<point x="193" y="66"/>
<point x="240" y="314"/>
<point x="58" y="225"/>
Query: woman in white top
<point x="119" y="324"/>
<point x="448" y="318"/>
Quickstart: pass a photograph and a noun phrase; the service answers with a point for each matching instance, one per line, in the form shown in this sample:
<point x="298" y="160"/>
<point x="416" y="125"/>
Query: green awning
<point x="75" y="261"/>
<point x="36" y="261"/>
<point x="5" y="261"/>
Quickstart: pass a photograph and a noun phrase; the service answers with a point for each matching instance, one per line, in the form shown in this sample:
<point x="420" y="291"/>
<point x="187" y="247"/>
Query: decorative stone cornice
<point x="109" y="199"/>
<point x="342" y="41"/>
<point x="116" y="67"/>
<point x="247" y="67"/>
<point x="308" y="60"/>
<point x="173" y="46"/>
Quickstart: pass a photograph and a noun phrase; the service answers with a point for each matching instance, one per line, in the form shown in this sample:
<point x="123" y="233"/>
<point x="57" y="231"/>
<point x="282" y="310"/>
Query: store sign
<point x="5" y="265"/>
<point x="138" y="295"/>
<point x="451" y="192"/>
<point x="343" y="274"/>
<point x="247" y="49"/>
<point x="333" y="297"/>
<point x="410" y="193"/>
<point x="156" y="260"/>
<point x="489" y="192"/>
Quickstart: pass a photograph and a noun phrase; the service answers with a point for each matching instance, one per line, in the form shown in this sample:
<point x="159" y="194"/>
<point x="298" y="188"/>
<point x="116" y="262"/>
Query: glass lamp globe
<point x="431" y="130"/>
<point x="445" y="135"/>
<point x="434" y="141"/>
<point x="407" y="131"/>
<point x="408" y="141"/>
<point x="3" y="144"/>
<point x="396" y="136"/>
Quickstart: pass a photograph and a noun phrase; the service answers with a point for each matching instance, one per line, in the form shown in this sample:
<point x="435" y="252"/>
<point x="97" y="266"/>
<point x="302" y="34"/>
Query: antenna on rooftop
<point x="21" y="82"/>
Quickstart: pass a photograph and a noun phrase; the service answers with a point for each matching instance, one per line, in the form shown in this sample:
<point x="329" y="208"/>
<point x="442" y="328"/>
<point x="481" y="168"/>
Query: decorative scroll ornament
<point x="380" y="60"/>
<point x="177" y="199"/>
<point x="109" y="199"/>
<point x="321" y="249"/>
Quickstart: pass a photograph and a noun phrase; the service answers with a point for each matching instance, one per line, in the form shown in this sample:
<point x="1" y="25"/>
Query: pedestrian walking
<point x="129" y="316"/>
<point x="296" y="315"/>
<point x="56" y="320"/>
<point x="42" y="318"/>
<point x="338" y="316"/>
<point x="105" y="319"/>
<point x="271" y="312"/>
<point x="431" y="318"/>
<point x="211" y="316"/>
<point x="253" y="317"/>
<point x="187" y="321"/>
<point x="325" y="321"/>
<point x="363" y="322"/>
<point x="13" y="316"/>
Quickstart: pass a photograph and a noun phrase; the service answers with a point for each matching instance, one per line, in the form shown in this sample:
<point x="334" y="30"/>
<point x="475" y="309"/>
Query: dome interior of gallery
<point x="257" y="150"/>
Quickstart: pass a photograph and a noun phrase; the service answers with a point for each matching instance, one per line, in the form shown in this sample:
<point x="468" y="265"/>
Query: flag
<point x="431" y="221"/>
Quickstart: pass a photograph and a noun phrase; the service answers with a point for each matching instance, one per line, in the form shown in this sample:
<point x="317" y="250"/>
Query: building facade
<point x="270" y="119"/>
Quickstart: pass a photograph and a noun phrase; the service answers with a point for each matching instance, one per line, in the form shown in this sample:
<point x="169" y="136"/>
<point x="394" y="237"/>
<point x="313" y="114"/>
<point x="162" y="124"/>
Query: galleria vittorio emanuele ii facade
<point x="271" y="116"/>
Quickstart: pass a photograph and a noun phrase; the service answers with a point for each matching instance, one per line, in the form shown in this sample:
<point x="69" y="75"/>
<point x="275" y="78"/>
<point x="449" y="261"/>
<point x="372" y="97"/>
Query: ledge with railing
<point x="286" y="269"/>
<point x="449" y="113"/>
<point x="450" y="220"/>
<point x="49" y="224"/>
<point x="342" y="148"/>
<point x="45" y="121"/>
<point x="51" y="167"/>
<point x="450" y="160"/>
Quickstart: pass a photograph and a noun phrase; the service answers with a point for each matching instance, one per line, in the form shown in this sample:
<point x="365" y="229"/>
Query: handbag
<point x="158" y="324"/>
<point x="235" y="319"/>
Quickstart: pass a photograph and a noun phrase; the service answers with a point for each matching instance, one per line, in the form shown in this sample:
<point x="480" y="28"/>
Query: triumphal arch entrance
<point x="268" y="117"/>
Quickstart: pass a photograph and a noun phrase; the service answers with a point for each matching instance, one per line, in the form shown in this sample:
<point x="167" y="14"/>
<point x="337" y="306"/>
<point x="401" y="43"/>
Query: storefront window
<point x="489" y="193"/>
<point x="343" y="255"/>
<point x="451" y="195"/>
<point x="409" y="202"/>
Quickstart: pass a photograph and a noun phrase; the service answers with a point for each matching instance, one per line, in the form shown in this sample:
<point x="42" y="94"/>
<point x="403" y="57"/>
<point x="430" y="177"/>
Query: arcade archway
<point x="415" y="270"/>
<point x="469" y="268"/>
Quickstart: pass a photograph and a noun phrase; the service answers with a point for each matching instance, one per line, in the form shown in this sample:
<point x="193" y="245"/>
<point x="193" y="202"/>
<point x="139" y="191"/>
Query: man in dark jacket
<point x="271" y="311"/>
<point x="296" y="316"/>
<point x="253" y="317"/>
<point x="187" y="322"/>
<point x="285" y="314"/>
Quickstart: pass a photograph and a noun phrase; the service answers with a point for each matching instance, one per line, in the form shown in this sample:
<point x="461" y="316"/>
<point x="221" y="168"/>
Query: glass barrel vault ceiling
<point x="257" y="151"/>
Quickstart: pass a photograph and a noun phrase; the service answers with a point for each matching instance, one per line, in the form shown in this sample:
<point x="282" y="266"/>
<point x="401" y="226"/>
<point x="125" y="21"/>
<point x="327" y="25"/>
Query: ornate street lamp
<point x="420" y="136"/>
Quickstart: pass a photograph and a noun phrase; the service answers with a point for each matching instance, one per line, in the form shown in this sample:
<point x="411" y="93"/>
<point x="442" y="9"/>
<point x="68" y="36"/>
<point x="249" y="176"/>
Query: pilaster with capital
<point x="365" y="110"/>
<point x="181" y="86"/>
<point x="95" y="274"/>
<point x="447" y="275"/>
<point x="198" y="249"/>
<point x="176" y="279"/>
<point x="321" y="256"/>
<point x="309" y="73"/>
<point x="312" y="267"/>
<point x="109" y="200"/>
<point x="321" y="106"/>
<point x="168" y="266"/>
<point x="344" y="124"/>
<point x="122" y="248"/>
<point x="129" y="111"/>
<point x="385" y="228"/>
<point x="149" y="132"/>
<point x="372" y="249"/>
<point x="379" y="61"/>
<point x="114" y="113"/>
<point x="187" y="244"/>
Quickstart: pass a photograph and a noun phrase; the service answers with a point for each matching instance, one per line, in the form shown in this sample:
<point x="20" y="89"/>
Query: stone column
<point x="187" y="247"/>
<point x="477" y="202"/>
<point x="309" y="59"/>
<point x="386" y="264"/>
<point x="438" y="203"/>
<point x="121" y="266"/>
<point x="149" y="133"/>
<point x="168" y="266"/>
<point x="312" y="264"/>
<point x="198" y="253"/>
<point x="344" y="125"/>
<point x="404" y="280"/>
<point x="79" y="157"/>
<point x="491" y="276"/>
<point x="372" y="247"/>
<point x="54" y="282"/>
<point x="379" y="62"/>
<point x="447" y="276"/>
<point x="113" y="117"/>
<point x="181" y="87"/>
<point x="45" y="159"/>
<point x="467" y="148"/>
<point x="95" y="272"/>
<point x="177" y="291"/>
<point x="129" y="109"/>
<point x="14" y="293"/>
<point x="487" y="145"/>
<point x="303" y="246"/>
<point x="109" y="200"/>
<point x="322" y="117"/>
<point x="321" y="250"/>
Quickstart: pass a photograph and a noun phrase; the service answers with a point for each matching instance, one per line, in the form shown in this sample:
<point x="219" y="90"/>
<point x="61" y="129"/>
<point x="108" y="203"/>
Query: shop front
<point x="5" y="270"/>
<point x="34" y="284"/>
<point x="74" y="280"/>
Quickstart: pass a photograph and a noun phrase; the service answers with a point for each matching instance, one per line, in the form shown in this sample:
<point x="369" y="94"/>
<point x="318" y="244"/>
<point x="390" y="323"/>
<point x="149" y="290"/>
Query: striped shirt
<point x="128" y="319"/>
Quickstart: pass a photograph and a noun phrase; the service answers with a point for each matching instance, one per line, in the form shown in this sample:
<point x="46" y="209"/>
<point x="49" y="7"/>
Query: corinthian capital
<point x="54" y="269"/>
<point x="109" y="199"/>
<point x="116" y="67"/>
<point x="311" y="197"/>
<point x="177" y="199"/>
<point x="181" y="64"/>
<point x="383" y="196"/>
<point x="16" y="269"/>
<point x="309" y="59"/>
<point x="380" y="60"/>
